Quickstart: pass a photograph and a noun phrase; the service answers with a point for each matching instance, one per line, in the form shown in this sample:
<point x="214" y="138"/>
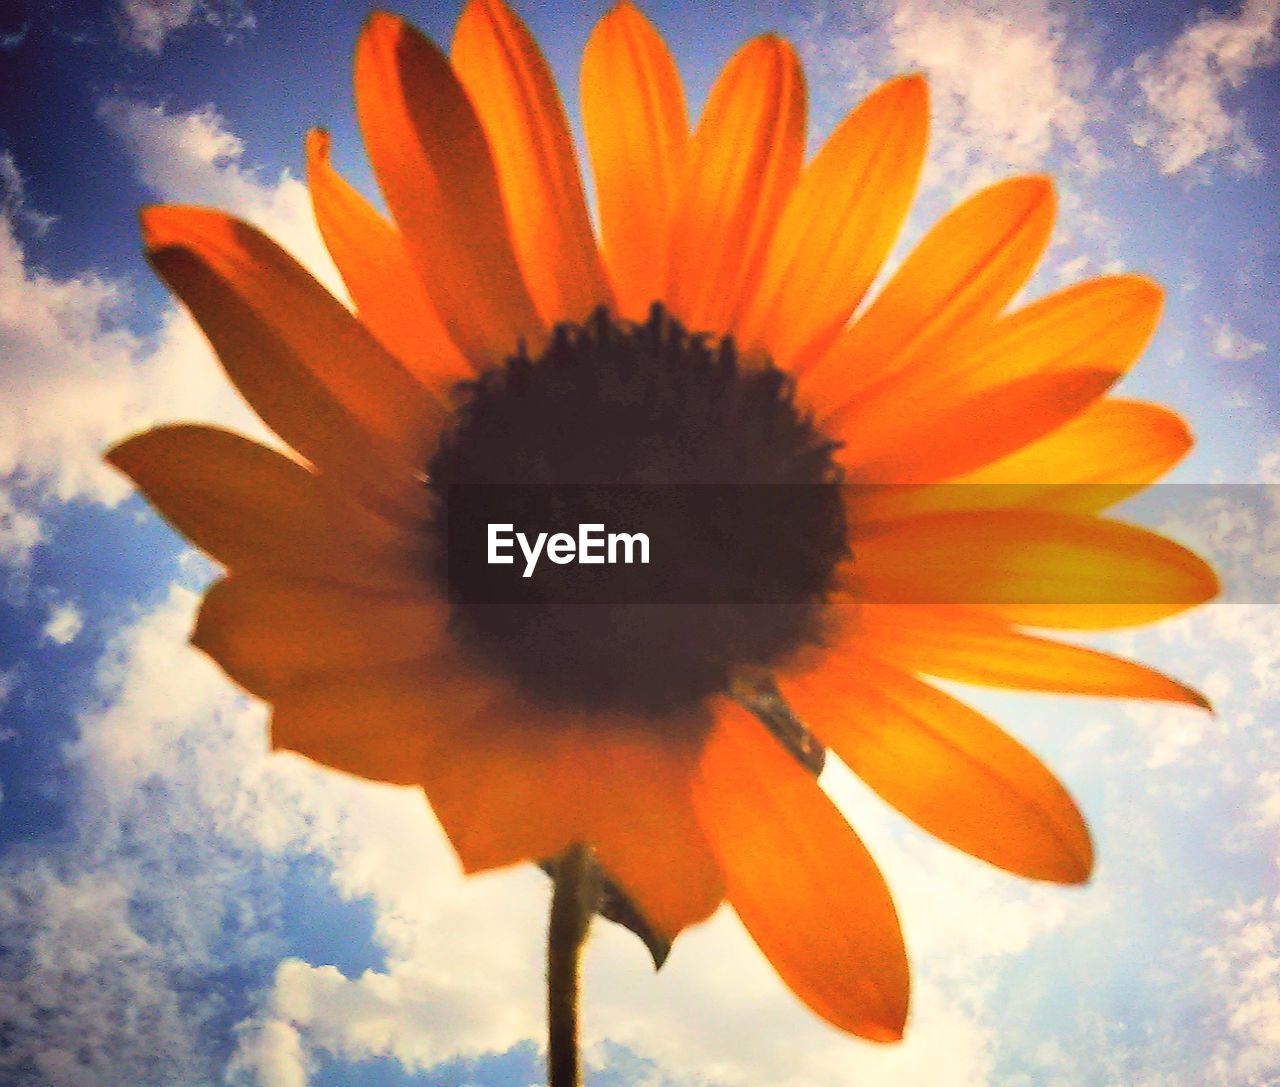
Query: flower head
<point x="706" y="336"/>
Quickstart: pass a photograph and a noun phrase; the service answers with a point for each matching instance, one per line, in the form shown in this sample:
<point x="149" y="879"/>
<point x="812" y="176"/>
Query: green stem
<point x="573" y="903"/>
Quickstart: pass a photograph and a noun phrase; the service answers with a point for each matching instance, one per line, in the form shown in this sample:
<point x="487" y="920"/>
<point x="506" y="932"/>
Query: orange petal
<point x="435" y="168"/>
<point x="507" y="788"/>
<point x="641" y="820"/>
<point x="524" y="782"/>
<point x="960" y="276"/>
<point x="1101" y="325"/>
<point x="383" y="724"/>
<point x="925" y="445"/>
<point x="383" y="282"/>
<point x="633" y="114"/>
<point x="1104" y="455"/>
<point x="742" y="165"/>
<point x="1107" y="453"/>
<point x="310" y="369"/>
<point x="252" y="508"/>
<point x="506" y="75"/>
<point x="1035" y="567"/>
<point x="946" y="767"/>
<point x="839" y="224"/>
<point x="269" y="631"/>
<point x="961" y="645"/>
<point x="804" y="885"/>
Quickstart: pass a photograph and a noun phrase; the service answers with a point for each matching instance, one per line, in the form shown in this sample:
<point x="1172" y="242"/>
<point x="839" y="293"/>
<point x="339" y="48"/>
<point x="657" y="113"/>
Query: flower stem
<point x="573" y="902"/>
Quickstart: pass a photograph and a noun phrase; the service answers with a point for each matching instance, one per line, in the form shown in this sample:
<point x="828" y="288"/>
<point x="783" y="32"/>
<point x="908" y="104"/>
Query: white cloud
<point x="15" y="203"/>
<point x="147" y="24"/>
<point x="1229" y="343"/>
<point x="115" y="935"/>
<point x="270" y="1054"/>
<point x="1244" y="961"/>
<point x="76" y="377"/>
<point x="1186" y="87"/>
<point x="1008" y="82"/>
<point x="21" y="531"/>
<point x="1011" y="82"/>
<point x="192" y="158"/>
<point x="64" y="624"/>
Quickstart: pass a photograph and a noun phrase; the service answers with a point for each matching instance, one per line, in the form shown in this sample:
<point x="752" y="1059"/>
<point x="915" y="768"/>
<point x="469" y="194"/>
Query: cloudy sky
<point x="179" y="907"/>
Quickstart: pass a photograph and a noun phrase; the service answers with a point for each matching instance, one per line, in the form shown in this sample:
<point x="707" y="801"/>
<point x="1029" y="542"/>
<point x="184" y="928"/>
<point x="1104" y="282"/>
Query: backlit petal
<point x="637" y="131"/>
<point x="966" y="435"/>
<point x="1035" y="567"/>
<point x="251" y="508"/>
<point x="270" y="631"/>
<point x="801" y="881"/>
<point x="438" y="176"/>
<point x="311" y="370"/>
<point x="514" y="95"/>
<point x="386" y="724"/>
<point x="957" y="644"/>
<point x="1108" y="452"/>
<point x="1101" y="326"/>
<point x="642" y="823"/>
<point x="841" y="219"/>
<point x="960" y="276"/>
<point x="946" y="767"/>
<point x="383" y="282"/>
<point x="508" y="790"/>
<point x="742" y="165"/>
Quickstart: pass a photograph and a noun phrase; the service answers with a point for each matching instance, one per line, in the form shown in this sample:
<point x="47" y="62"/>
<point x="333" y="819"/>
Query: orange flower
<point x="495" y="338"/>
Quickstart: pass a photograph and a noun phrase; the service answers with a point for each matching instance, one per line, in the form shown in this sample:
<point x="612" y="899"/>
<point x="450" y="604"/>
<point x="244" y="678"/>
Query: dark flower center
<point x="636" y="428"/>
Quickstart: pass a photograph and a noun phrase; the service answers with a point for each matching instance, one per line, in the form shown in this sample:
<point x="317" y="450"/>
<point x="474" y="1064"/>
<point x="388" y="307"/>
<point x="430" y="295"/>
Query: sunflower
<point x="714" y="331"/>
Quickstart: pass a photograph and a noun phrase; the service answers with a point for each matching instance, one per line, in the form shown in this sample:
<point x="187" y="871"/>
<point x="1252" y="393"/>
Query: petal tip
<point x="1076" y="866"/>
<point x="912" y="88"/>
<point x="154" y="222"/>
<point x="318" y="144"/>
<point x="122" y="455"/>
<point x="1039" y="188"/>
<point x="886" y="1033"/>
<point x="623" y="17"/>
<point x="382" y="25"/>
<point x="166" y="226"/>
<point x="380" y="39"/>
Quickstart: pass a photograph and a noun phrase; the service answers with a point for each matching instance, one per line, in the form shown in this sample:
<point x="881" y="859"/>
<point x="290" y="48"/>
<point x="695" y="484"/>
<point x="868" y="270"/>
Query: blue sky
<point x="179" y="907"/>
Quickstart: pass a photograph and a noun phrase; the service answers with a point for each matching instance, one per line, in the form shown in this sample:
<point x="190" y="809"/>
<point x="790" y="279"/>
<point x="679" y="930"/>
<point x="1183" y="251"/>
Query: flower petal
<point x="269" y="631"/>
<point x="1035" y="567"/>
<point x="1108" y="452"/>
<point x="633" y="114"/>
<point x="960" y="276"/>
<point x="309" y="369"/>
<point x="946" y="767"/>
<point x="436" y="170"/>
<point x="803" y="884"/>
<point x="966" y="646"/>
<point x="642" y="822"/>
<point x="506" y="75"/>
<point x="839" y="224"/>
<point x="968" y="435"/>
<point x="1101" y="325"/>
<point x="252" y="508"/>
<point x="1104" y="455"/>
<point x="381" y="724"/>
<point x="742" y="165"/>
<point x="384" y="285"/>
